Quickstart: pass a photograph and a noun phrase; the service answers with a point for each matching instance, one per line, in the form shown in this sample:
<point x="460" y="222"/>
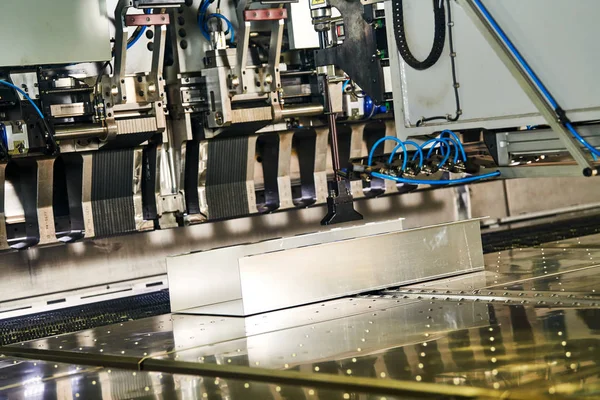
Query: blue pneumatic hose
<point x="469" y="179"/>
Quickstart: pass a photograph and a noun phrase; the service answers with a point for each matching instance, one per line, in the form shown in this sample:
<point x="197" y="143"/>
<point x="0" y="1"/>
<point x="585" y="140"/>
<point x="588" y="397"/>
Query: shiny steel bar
<point x="325" y="381"/>
<point x="335" y="151"/>
<point x="307" y="110"/>
<point x="75" y="132"/>
<point x="277" y="274"/>
<point x="298" y="73"/>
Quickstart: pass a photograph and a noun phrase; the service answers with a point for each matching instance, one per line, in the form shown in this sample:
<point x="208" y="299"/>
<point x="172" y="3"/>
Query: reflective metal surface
<point x="170" y="333"/>
<point x="510" y="331"/>
<point x="511" y="349"/>
<point x="30" y="375"/>
<point x="24" y="379"/>
<point x="266" y="276"/>
<point x="584" y="281"/>
<point x="137" y="339"/>
<point x="354" y="342"/>
<point x="586" y="242"/>
<point x="195" y="282"/>
<point x="521" y="264"/>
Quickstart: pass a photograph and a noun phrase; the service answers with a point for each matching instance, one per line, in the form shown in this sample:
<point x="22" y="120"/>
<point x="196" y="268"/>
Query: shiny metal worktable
<point x="526" y="327"/>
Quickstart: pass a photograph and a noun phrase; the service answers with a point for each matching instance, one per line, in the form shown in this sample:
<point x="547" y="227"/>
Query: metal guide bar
<point x="545" y="276"/>
<point x="544" y="140"/>
<point x="540" y="299"/>
<point x="326" y="381"/>
<point x="541" y="172"/>
<point x="75" y="298"/>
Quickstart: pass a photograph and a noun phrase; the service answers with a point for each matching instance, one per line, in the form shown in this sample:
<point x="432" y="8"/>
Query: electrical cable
<point x="353" y="87"/>
<point x="595" y="152"/>
<point x="55" y="147"/>
<point x="201" y="13"/>
<point x="404" y="155"/>
<point x="37" y="109"/>
<point x="419" y="153"/>
<point x="204" y="4"/>
<point x="203" y="20"/>
<point x="516" y="53"/>
<point x="230" y="28"/>
<point x="138" y="33"/>
<point x="22" y="92"/>
<point x="136" y="37"/>
<point x="536" y="80"/>
<point x="440" y="141"/>
<point x="100" y="74"/>
<point x="457" y="141"/>
<point x="359" y="96"/>
<point x="377" y="143"/>
<point x="372" y="113"/>
<point x="469" y="179"/>
<point x="80" y="81"/>
<point x="345" y="85"/>
<point x="457" y="147"/>
<point x="445" y="152"/>
<point x="455" y="83"/>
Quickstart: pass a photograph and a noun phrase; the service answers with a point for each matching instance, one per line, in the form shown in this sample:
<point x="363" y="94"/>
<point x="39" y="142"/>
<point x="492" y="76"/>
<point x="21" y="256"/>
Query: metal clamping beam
<point x="147" y="20"/>
<point x="266" y="14"/>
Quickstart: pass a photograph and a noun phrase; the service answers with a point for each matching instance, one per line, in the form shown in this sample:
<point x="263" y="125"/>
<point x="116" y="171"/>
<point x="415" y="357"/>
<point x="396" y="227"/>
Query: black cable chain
<point x="439" y="39"/>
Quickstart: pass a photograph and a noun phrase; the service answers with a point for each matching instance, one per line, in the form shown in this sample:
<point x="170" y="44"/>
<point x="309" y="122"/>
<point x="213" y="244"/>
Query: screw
<point x="219" y="118"/>
<point x="235" y="82"/>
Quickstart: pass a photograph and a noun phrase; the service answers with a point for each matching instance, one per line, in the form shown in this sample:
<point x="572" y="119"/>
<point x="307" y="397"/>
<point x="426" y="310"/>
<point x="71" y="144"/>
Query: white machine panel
<point x="489" y="95"/>
<point x="35" y="32"/>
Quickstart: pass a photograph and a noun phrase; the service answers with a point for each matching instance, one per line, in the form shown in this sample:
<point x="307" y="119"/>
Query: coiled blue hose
<point x="383" y="139"/>
<point x="419" y="152"/>
<point x="457" y="142"/>
<point x="440" y="141"/>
